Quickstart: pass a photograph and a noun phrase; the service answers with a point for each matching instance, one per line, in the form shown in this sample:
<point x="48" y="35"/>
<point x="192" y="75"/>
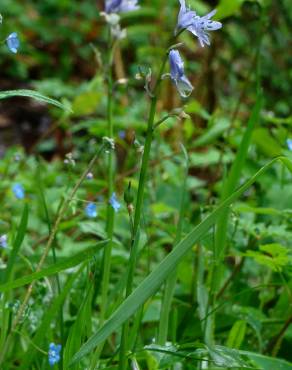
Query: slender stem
<point x="110" y="210"/>
<point x="106" y="265"/>
<point x="138" y="211"/>
<point x="274" y="345"/>
<point x="50" y="241"/>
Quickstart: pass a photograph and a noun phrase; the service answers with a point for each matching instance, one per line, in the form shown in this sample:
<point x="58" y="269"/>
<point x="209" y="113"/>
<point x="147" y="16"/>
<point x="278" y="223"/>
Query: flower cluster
<point x="199" y="27"/>
<point x="54" y="353"/>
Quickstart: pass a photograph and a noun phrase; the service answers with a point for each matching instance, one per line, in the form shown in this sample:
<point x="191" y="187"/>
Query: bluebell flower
<point x="54" y="353"/>
<point x="91" y="210"/>
<point x="177" y="74"/>
<point x="120" y="6"/>
<point x="289" y="144"/>
<point x="12" y="42"/>
<point x="114" y="202"/>
<point x="18" y="191"/>
<point x="198" y="26"/>
<point x="3" y="241"/>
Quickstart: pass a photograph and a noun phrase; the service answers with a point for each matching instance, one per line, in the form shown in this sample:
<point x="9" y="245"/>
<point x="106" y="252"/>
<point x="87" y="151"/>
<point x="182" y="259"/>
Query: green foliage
<point x="197" y="273"/>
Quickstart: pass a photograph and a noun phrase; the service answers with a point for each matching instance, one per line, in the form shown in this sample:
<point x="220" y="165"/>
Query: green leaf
<point x="267" y="363"/>
<point x="266" y="143"/>
<point x="86" y="103"/>
<point x="226" y="8"/>
<point x="79" y="329"/>
<point x="34" y="95"/>
<point x="237" y="334"/>
<point x="154" y="280"/>
<point x="52" y="270"/>
<point x="227" y="358"/>
<point x="17" y="243"/>
<point x="273" y="255"/>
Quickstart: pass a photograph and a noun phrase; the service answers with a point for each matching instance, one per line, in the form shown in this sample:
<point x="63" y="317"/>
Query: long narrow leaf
<point x="17" y="242"/>
<point x="153" y="281"/>
<point x="34" y="95"/>
<point x="60" y="266"/>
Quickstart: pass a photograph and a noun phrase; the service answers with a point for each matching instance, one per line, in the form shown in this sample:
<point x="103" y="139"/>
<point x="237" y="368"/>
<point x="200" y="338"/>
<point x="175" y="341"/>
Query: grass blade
<point x="17" y="242"/>
<point x="52" y="270"/>
<point x="34" y="95"/>
<point x="154" y="280"/>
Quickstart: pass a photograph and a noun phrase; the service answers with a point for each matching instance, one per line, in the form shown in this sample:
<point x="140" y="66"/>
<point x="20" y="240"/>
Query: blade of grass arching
<point x="34" y="95"/>
<point x="171" y="281"/>
<point x="153" y="281"/>
<point x="54" y="269"/>
<point x="48" y="318"/>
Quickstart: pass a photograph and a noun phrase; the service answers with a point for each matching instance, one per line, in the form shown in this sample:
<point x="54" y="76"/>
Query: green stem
<point x="110" y="210"/>
<point x="138" y="211"/>
<point x="106" y="265"/>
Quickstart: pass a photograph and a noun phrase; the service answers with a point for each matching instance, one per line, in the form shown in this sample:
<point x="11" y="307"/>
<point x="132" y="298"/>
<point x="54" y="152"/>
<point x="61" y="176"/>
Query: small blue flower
<point x="114" y="202"/>
<point x="18" y="191"/>
<point x="89" y="176"/>
<point x="12" y="42"/>
<point x="3" y="241"/>
<point x="91" y="210"/>
<point x="122" y="134"/>
<point x="54" y="353"/>
<point x="198" y="26"/>
<point x="289" y="144"/>
<point x="120" y="6"/>
<point x="177" y="74"/>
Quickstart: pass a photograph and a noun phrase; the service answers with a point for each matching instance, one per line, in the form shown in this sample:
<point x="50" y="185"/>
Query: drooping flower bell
<point x="54" y="353"/>
<point x="177" y="74"/>
<point x="12" y="42"/>
<point x="198" y="26"/>
<point x="120" y="6"/>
